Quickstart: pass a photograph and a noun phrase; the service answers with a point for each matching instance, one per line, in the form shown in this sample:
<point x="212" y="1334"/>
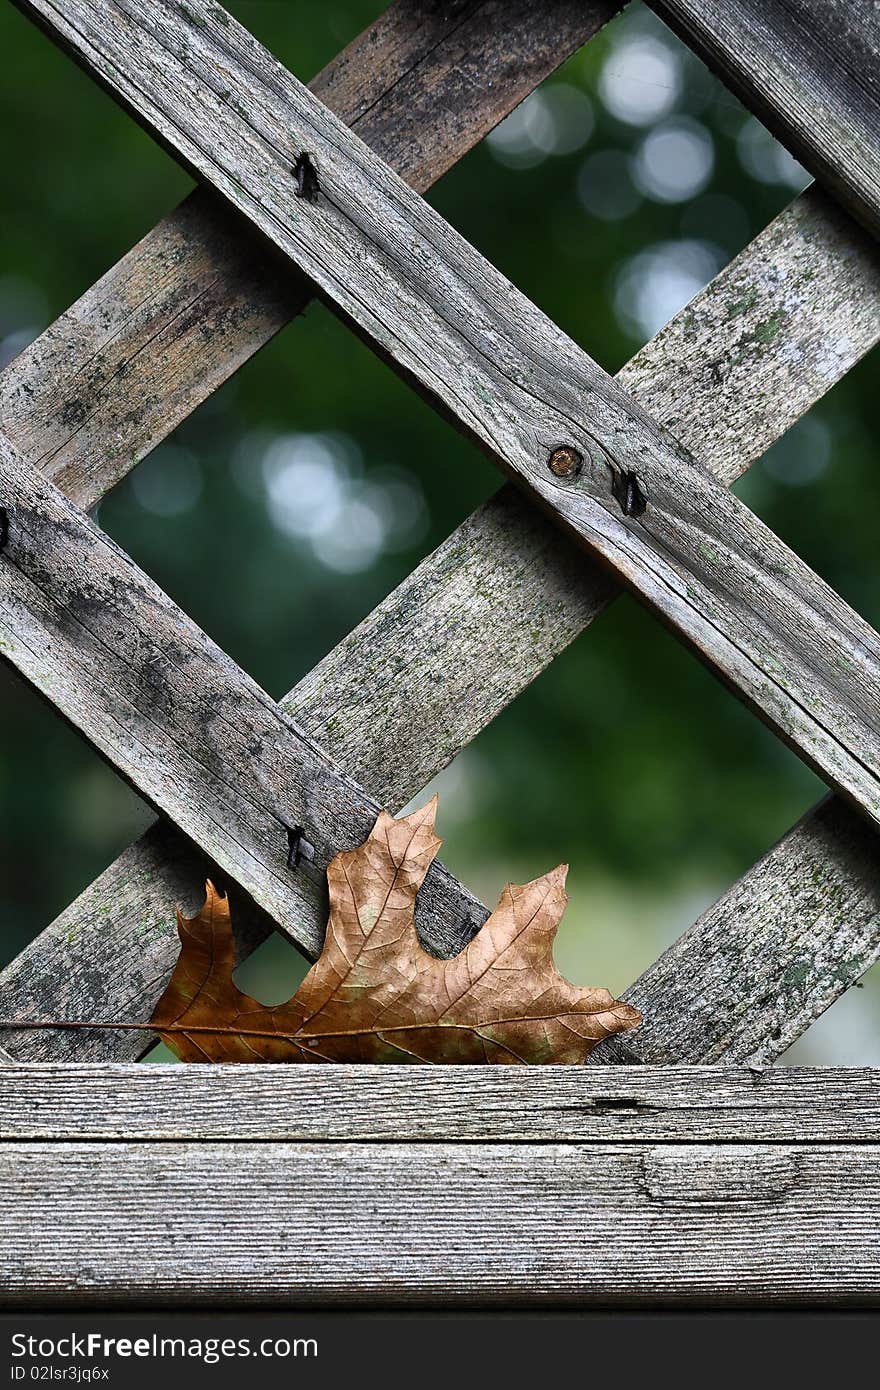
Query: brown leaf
<point x="375" y="995"/>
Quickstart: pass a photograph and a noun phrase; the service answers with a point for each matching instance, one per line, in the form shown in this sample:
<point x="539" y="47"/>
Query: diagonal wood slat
<point x="202" y="292"/>
<point x="811" y="70"/>
<point x="179" y="720"/>
<point x="449" y="322"/>
<point x="192" y="301"/>
<point x="491" y="608"/>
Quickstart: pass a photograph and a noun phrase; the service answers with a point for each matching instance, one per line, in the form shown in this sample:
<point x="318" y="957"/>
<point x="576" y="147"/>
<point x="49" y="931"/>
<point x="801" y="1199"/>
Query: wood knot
<point x="565" y="462"/>
<point x="707" y="1174"/>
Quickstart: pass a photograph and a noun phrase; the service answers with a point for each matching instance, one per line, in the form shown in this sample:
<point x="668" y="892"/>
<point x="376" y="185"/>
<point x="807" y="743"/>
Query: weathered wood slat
<point x="811" y="70"/>
<point x="774" y="951"/>
<point x="488" y="611"/>
<point x="197" y="297"/>
<point x="449" y="322"/>
<point x="362" y="1104"/>
<point x="168" y="324"/>
<point x="456" y="1224"/>
<point x="191" y="732"/>
<point x="504" y="595"/>
<point x="203" y="292"/>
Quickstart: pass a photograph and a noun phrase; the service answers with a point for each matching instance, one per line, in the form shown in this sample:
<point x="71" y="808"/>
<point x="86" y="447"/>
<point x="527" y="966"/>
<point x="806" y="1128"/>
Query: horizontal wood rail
<point x="498" y="1186"/>
<point x="460" y="1226"/>
<point x="444" y="1104"/>
<point x="540" y="407"/>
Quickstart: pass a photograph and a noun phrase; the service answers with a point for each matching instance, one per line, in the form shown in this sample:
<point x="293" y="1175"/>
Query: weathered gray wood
<point x="447" y="320"/>
<point x="484" y="615"/>
<point x="457" y="1224"/>
<point x="202" y="292"/>
<point x="765" y="960"/>
<point x="191" y="732"/>
<point x="571" y="1105"/>
<point x="811" y="70"/>
<point x="162" y="330"/>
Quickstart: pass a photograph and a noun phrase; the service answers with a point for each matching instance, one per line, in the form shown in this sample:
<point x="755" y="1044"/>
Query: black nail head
<point x="305" y="178"/>
<point x="627" y="490"/>
<point x="298" y="847"/>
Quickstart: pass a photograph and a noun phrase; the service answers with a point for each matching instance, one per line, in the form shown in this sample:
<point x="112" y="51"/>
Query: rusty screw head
<point x="565" y="462"/>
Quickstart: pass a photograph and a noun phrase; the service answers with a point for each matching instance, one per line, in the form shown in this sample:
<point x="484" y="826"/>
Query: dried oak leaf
<point x="375" y="994"/>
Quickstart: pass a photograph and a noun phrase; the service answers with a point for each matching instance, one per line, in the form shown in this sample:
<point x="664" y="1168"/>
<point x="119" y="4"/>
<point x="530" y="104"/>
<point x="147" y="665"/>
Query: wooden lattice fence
<point x="454" y="1184"/>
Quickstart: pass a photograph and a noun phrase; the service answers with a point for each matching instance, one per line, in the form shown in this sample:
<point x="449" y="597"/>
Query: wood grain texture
<point x="483" y="615"/>
<point x="487" y="612"/>
<point x="204" y="291"/>
<point x="765" y="960"/>
<point x="454" y="1224"/>
<point x="810" y="69"/>
<point x="157" y="334"/>
<point x="444" y="1104"/>
<point x="455" y="327"/>
<point x="179" y="720"/>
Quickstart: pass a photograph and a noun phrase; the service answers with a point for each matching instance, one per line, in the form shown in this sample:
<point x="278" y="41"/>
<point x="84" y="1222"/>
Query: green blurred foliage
<point x="626" y="758"/>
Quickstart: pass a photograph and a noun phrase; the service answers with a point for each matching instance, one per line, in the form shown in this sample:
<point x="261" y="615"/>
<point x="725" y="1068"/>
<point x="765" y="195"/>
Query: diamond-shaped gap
<point x="290" y="503"/>
<point x="630" y="761"/>
<point x="818" y="488"/>
<point x="84" y="180"/>
<point x="616" y="191"/>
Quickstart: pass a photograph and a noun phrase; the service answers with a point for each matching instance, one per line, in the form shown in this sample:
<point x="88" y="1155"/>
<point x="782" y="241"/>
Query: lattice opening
<point x="670" y="236"/>
<point x="64" y="815"/>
